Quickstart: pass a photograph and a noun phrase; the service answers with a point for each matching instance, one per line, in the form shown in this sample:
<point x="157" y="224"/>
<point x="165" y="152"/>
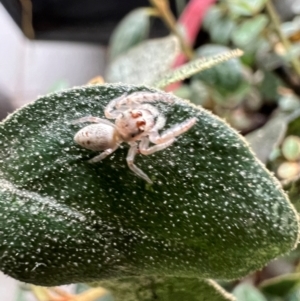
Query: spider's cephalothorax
<point x="132" y="124"/>
<point x="135" y="120"/>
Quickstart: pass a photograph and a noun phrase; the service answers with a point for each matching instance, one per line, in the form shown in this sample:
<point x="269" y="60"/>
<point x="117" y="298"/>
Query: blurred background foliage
<point x="258" y="94"/>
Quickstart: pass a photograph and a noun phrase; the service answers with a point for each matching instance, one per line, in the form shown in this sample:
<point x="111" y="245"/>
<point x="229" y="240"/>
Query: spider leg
<point x="154" y="111"/>
<point x="104" y="154"/>
<point x="140" y="97"/>
<point x="110" y="111"/>
<point x="160" y="123"/>
<point x="92" y="119"/>
<point x="135" y="104"/>
<point x="174" y="131"/>
<point x="117" y="105"/>
<point x="146" y="150"/>
<point x="130" y="159"/>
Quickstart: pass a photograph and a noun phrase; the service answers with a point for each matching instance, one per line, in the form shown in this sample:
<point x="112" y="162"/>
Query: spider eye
<point x="136" y="114"/>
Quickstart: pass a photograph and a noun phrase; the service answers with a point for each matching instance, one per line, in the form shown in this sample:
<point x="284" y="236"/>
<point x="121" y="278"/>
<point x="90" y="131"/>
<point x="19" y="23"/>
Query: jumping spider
<point x="135" y="120"/>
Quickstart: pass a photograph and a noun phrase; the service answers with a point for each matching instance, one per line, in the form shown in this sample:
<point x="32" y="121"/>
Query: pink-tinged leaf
<point x="192" y="17"/>
<point x="191" y="20"/>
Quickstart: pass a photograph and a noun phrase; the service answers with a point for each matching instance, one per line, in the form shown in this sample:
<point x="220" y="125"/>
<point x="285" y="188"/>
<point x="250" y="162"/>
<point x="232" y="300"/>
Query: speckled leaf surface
<point x="166" y="289"/>
<point x="144" y="63"/>
<point x="212" y="212"/>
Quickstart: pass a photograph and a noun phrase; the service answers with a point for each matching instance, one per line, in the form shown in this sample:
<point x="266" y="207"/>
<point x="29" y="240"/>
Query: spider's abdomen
<point x="97" y="137"/>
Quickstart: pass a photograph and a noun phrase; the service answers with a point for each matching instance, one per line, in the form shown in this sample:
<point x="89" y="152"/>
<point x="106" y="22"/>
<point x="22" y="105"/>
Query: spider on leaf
<point x="135" y="120"/>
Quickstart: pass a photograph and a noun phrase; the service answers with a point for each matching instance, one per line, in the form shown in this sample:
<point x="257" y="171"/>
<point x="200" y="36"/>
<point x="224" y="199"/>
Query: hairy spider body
<point x="135" y="120"/>
<point x="98" y="137"/>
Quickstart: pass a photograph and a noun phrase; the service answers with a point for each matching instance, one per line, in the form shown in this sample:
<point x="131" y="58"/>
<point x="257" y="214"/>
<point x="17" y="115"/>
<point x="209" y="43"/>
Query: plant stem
<point x="164" y="9"/>
<point x="27" y="26"/>
<point x="191" y="68"/>
<point x="284" y="40"/>
<point x="153" y="12"/>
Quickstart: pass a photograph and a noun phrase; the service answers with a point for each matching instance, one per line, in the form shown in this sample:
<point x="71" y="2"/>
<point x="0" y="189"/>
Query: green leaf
<point x="196" y="92"/>
<point x="166" y="289"/>
<point x="132" y="30"/>
<point x="212" y="16"/>
<point x="247" y="292"/>
<point x="226" y="77"/>
<point x="269" y="86"/>
<point x="144" y="63"/>
<point x="247" y="33"/>
<point x="264" y="140"/>
<point x="230" y="98"/>
<point x="220" y="33"/>
<point x="294" y="296"/>
<point x="199" y="92"/>
<point x="184" y="91"/>
<point x="281" y="285"/>
<point x="245" y="7"/>
<point x="218" y="25"/>
<point x="213" y="211"/>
